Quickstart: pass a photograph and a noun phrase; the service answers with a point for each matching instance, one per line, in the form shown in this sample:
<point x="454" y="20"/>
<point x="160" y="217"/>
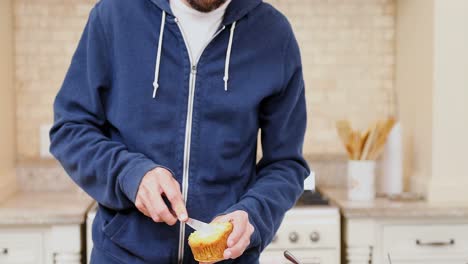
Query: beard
<point x="205" y="5"/>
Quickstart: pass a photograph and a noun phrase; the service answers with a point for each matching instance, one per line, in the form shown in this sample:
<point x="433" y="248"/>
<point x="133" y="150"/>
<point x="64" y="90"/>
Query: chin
<point x="205" y="5"/>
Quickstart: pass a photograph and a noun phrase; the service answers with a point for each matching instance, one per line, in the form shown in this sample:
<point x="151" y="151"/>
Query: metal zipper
<point x="188" y="129"/>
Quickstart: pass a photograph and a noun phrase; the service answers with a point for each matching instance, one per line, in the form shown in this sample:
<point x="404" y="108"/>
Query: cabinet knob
<point x="293" y="237"/>
<point x="5" y="251"/>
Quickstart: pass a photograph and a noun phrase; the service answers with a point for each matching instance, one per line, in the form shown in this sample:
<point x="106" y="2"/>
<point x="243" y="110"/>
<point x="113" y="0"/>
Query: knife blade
<point x="198" y="225"/>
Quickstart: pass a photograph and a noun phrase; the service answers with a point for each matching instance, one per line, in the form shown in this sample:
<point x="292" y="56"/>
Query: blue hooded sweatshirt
<point x="134" y="99"/>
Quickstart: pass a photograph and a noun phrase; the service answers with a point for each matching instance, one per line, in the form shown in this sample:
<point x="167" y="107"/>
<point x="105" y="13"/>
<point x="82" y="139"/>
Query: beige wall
<point x="450" y="110"/>
<point x="7" y="99"/>
<point x="432" y="81"/>
<point x="347" y="48"/>
<point x="414" y="71"/>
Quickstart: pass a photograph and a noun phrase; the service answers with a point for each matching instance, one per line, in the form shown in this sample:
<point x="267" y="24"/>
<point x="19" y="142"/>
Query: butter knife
<point x="198" y="225"/>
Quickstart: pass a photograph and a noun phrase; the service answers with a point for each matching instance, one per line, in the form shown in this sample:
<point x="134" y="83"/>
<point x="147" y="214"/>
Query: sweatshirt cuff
<point x="131" y="177"/>
<point x="243" y="205"/>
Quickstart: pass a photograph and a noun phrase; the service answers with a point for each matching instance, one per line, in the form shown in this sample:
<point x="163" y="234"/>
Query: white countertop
<point x="44" y="208"/>
<point x="383" y="207"/>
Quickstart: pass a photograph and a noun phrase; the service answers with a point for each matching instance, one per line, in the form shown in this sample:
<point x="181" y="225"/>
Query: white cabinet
<point x="59" y="244"/>
<point x="89" y="231"/>
<point x="410" y="232"/>
<point x="411" y="241"/>
<point x="17" y="246"/>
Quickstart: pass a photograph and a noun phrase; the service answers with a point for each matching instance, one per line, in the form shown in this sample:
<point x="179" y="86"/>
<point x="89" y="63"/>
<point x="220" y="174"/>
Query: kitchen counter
<point x="385" y="208"/>
<point x="44" y="208"/>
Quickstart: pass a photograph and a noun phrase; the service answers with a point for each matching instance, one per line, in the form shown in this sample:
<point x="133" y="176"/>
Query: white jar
<point x="361" y="180"/>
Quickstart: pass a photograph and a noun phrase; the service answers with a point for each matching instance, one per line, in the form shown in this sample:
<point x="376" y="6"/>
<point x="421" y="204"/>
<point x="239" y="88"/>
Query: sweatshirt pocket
<point x="115" y="225"/>
<point x="140" y="238"/>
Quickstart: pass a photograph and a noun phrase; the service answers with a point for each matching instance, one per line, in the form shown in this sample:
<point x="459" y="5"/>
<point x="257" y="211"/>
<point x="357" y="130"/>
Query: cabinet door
<point x="21" y="246"/>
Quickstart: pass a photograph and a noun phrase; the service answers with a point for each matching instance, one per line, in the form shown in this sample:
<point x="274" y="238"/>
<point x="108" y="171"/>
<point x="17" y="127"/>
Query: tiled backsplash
<point x="329" y="171"/>
<point x="46" y="35"/>
<point x="43" y="177"/>
<point x="347" y="48"/>
<point x="348" y="54"/>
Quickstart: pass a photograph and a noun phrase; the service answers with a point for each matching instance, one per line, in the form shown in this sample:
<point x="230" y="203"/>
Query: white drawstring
<point x="158" y="56"/>
<point x="228" y="57"/>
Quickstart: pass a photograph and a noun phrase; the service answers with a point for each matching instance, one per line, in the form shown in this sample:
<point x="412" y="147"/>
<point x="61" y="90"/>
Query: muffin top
<point x="211" y="235"/>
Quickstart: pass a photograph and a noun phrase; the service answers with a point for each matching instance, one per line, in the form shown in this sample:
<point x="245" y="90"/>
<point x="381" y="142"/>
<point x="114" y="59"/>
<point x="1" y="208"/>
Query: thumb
<point x="222" y="219"/>
<point x="180" y="211"/>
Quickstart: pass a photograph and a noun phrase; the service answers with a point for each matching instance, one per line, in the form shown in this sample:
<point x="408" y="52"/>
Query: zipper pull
<point x="194" y="69"/>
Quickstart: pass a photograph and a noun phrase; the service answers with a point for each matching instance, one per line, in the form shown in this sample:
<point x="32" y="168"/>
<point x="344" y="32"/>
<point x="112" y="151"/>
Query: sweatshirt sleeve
<point x="282" y="169"/>
<point x="105" y="169"/>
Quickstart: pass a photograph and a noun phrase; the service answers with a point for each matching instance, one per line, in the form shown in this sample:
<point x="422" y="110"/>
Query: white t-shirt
<point x="198" y="27"/>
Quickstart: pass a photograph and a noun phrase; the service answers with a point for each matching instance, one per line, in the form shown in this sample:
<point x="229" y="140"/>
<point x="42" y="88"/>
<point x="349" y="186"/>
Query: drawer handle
<point x="435" y="243"/>
<point x="5" y="251"/>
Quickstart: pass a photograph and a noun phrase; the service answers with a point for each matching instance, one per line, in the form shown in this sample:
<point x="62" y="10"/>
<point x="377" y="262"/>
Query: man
<point x="158" y="117"/>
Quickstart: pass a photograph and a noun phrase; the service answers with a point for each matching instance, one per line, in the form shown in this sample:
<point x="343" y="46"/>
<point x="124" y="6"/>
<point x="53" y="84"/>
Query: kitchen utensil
<point x="382" y="138"/>
<point x="289" y="256"/>
<point x="367" y="145"/>
<point x="198" y="225"/>
<point x="370" y="140"/>
<point x="356" y="145"/>
<point x="364" y="137"/>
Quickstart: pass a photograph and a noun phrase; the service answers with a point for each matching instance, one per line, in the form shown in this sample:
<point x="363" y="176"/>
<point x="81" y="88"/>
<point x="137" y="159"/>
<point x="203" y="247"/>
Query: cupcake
<point x="209" y="245"/>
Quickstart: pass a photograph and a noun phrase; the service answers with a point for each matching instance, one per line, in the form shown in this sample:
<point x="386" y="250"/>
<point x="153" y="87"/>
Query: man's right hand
<point x="149" y="199"/>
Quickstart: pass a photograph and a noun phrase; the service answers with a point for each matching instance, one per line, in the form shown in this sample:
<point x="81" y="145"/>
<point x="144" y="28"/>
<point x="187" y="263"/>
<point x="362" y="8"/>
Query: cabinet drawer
<point x="309" y="256"/>
<point x="20" y="247"/>
<point x="426" y="242"/>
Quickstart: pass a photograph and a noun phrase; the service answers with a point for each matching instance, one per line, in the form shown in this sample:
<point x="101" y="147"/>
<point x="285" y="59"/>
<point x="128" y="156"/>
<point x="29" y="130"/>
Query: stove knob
<point x="314" y="236"/>
<point x="293" y="237"/>
<point x="275" y="238"/>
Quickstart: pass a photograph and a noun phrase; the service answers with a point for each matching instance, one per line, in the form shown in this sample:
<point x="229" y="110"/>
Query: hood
<point x="235" y="11"/>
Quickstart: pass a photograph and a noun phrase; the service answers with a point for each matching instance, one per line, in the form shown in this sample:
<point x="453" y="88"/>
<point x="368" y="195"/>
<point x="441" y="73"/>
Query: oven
<point x="310" y="231"/>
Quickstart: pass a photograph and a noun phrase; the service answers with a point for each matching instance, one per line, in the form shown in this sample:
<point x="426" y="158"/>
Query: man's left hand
<point x="239" y="239"/>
